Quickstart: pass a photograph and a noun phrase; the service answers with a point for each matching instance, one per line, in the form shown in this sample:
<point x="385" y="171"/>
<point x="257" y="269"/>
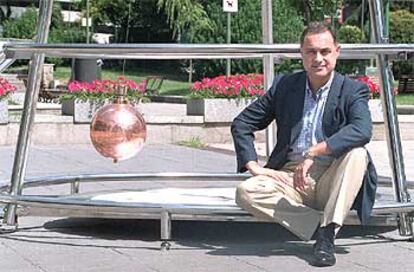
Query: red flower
<point x="104" y="89"/>
<point x="372" y="86"/>
<point x="6" y="88"/>
<point x="234" y="86"/>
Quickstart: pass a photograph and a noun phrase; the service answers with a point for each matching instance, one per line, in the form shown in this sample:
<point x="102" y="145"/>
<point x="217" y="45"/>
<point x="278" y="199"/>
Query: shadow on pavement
<point x="234" y="232"/>
<point x="217" y="238"/>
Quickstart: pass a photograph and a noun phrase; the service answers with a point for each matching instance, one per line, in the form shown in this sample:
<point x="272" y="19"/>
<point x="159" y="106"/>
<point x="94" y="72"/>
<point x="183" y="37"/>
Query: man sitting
<point x="319" y="168"/>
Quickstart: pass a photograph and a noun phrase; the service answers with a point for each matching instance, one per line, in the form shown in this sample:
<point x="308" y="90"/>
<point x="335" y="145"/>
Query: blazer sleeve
<point x="358" y="128"/>
<point x="255" y="117"/>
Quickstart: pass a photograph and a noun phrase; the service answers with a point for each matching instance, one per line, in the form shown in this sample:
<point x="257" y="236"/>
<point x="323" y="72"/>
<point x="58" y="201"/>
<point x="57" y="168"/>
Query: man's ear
<point x="338" y="48"/>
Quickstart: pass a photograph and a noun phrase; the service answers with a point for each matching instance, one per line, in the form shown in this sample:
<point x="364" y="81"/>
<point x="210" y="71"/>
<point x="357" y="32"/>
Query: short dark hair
<point x="316" y="28"/>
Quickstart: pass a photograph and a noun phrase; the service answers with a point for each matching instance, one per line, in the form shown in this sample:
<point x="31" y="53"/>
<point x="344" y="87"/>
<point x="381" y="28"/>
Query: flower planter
<point x="217" y="110"/>
<point x="83" y="99"/>
<point x="83" y="111"/>
<point x="4" y="112"/>
<point x="6" y="90"/>
<point x="375" y="108"/>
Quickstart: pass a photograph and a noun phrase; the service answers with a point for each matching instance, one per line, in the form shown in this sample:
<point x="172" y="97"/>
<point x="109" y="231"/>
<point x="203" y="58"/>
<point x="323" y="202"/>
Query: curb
<point x="405" y="109"/>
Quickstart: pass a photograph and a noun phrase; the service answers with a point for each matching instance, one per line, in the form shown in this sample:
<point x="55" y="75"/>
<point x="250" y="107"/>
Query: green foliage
<point x="141" y="18"/>
<point x="350" y="34"/>
<point x="402" y="26"/>
<point x="23" y="27"/>
<point x="65" y="34"/>
<point x="246" y="27"/>
<point x="57" y="17"/>
<point x="315" y="10"/>
<point x="185" y="15"/>
<point x="397" y="5"/>
<point x="402" y="31"/>
<point x="320" y="8"/>
<point x="193" y="142"/>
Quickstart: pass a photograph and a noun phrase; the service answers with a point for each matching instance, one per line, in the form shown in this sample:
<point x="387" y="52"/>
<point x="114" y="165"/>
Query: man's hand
<point x="300" y="176"/>
<point x="255" y="169"/>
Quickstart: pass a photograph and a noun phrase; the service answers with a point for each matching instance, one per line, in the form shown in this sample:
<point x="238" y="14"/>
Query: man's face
<point x="319" y="54"/>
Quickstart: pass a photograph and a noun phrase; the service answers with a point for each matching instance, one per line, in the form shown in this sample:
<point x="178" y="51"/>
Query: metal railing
<point x="195" y="51"/>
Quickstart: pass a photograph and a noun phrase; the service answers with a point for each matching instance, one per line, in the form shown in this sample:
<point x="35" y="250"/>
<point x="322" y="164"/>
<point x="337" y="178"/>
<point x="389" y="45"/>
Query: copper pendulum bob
<point x="118" y="130"/>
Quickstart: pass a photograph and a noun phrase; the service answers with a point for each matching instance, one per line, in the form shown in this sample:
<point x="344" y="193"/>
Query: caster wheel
<point x="165" y="246"/>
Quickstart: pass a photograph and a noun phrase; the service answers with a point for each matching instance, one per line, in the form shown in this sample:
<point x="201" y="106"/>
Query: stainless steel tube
<point x="26" y="125"/>
<point x="74" y="187"/>
<point x="165" y="222"/>
<point x="165" y="225"/>
<point x="268" y="66"/>
<point x="165" y="176"/>
<point x="89" y="207"/>
<point x="192" y="51"/>
<point x="390" y="116"/>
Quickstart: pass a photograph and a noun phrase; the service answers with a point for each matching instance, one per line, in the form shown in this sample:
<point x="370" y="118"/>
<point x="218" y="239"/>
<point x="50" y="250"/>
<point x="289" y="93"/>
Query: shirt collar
<point x="322" y="91"/>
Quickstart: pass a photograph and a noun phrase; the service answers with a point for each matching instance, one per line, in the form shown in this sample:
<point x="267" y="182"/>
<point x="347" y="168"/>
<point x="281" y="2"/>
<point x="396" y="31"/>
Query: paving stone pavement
<point x="82" y="244"/>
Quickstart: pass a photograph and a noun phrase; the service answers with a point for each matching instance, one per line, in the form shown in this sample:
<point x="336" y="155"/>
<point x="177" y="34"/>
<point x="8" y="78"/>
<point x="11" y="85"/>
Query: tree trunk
<point x="307" y="11"/>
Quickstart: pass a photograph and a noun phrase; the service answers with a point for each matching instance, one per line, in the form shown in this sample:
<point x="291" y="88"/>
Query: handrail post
<point x="390" y="118"/>
<point x="268" y="66"/>
<point x="29" y="110"/>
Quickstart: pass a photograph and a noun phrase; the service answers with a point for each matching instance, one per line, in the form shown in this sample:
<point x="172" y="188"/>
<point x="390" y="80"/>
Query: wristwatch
<point x="308" y="155"/>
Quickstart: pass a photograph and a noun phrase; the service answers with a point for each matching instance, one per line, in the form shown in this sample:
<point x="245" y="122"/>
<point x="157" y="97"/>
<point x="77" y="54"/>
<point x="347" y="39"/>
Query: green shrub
<point x="23" y="27"/>
<point x="401" y="26"/>
<point x="402" y="31"/>
<point x="350" y="34"/>
<point x="57" y="17"/>
<point x="65" y="34"/>
<point x="246" y="26"/>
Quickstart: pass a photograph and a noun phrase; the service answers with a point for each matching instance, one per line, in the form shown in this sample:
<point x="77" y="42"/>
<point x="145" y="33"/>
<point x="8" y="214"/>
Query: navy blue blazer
<point x="346" y="123"/>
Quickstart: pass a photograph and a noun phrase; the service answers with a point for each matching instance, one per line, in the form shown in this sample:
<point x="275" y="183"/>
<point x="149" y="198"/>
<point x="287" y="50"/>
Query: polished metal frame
<point x="381" y="50"/>
<point x="195" y="51"/>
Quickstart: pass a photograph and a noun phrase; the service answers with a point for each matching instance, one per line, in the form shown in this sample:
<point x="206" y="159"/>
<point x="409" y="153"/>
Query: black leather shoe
<point x="324" y="248"/>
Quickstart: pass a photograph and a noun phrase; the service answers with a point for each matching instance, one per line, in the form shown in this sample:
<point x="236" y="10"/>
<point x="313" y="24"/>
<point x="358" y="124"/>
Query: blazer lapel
<point x="332" y="101"/>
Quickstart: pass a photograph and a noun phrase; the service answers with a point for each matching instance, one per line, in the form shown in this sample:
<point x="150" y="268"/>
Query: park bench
<point x="153" y="84"/>
<point x="46" y="95"/>
<point x="406" y="84"/>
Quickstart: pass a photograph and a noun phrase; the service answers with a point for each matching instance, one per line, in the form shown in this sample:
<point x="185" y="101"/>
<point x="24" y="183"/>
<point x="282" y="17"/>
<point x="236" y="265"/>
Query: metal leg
<point x="268" y="67"/>
<point x="74" y="187"/>
<point x="412" y="227"/>
<point x="4" y="228"/>
<point x="406" y="225"/>
<point x="26" y="125"/>
<point x="391" y="118"/>
<point x="165" y="230"/>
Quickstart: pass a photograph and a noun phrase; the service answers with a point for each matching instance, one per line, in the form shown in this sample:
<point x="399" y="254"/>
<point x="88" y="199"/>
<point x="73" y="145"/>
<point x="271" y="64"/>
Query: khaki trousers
<point x="327" y="198"/>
